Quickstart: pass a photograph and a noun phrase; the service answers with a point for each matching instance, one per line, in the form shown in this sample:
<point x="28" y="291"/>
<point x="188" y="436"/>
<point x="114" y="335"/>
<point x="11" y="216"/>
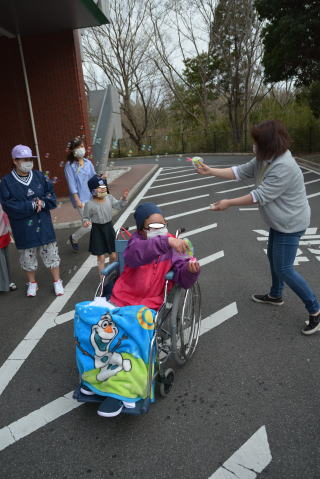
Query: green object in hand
<point x="190" y="247"/>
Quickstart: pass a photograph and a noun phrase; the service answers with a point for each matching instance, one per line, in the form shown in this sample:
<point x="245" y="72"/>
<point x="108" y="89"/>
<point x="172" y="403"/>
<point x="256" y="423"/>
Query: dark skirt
<point x="102" y="239"/>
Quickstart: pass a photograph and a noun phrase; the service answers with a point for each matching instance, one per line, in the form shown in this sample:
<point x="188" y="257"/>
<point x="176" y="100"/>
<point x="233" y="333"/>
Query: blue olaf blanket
<point x="113" y="349"/>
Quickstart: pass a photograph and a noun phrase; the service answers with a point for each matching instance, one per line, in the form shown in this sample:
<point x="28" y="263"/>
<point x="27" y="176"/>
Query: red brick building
<point x="42" y="96"/>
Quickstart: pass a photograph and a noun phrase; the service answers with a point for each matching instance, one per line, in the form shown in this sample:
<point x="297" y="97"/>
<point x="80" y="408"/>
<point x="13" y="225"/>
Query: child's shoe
<point x="110" y="407"/>
<point x="58" y="287"/>
<point x="32" y="289"/>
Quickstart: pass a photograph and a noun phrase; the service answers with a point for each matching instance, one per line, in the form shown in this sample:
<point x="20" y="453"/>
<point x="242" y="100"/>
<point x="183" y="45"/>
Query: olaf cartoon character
<point x="109" y="362"/>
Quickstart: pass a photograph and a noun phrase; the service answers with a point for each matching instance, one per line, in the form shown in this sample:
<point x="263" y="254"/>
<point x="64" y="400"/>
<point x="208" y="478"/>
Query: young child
<point x="5" y="281"/>
<point x="27" y="197"/>
<point x="150" y="254"/>
<point x="98" y="212"/>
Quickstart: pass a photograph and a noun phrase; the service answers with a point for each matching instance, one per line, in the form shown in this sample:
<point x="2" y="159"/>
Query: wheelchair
<point x="176" y="333"/>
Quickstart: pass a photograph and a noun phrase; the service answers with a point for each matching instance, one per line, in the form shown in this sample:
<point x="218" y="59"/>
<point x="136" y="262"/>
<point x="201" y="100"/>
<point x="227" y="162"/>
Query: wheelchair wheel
<point x="166" y="382"/>
<point x="185" y="323"/>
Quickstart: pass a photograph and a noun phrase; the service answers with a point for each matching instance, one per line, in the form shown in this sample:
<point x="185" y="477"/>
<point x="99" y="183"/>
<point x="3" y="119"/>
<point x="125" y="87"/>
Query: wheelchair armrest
<point x="169" y="275"/>
<point x="110" y="268"/>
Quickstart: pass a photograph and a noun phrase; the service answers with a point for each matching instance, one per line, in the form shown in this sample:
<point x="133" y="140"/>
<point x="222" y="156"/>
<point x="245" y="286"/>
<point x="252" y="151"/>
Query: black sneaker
<point x="313" y="325"/>
<point x="110" y="407"/>
<point x="74" y="244"/>
<point x="12" y="286"/>
<point x="265" y="298"/>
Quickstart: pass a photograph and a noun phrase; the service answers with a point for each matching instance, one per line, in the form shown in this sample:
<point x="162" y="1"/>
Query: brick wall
<point x="59" y="102"/>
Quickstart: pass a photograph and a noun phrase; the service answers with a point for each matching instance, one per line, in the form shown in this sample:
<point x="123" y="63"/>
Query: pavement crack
<point x="224" y="467"/>
<point x="13" y="436"/>
<point x="248" y="468"/>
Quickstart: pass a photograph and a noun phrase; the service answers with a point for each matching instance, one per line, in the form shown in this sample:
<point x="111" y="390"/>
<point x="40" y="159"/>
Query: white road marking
<point x="181" y="201"/>
<point x="312" y="181"/>
<point x="176" y="171"/>
<point x="37" y="419"/>
<point x="199" y="230"/>
<point x="311" y="231"/>
<point x="179" y="215"/>
<point x="249" y="460"/>
<point x="248" y="209"/>
<point x="219" y="317"/>
<point x="311" y="170"/>
<point x="48" y="319"/>
<point x="217" y="183"/>
<point x="313" y="195"/>
<point x="307" y="172"/>
<point x="184" y="181"/>
<point x="174" y="177"/>
<point x="169" y="168"/>
<point x="235" y="189"/>
<point x="211" y="258"/>
<point x="61" y="406"/>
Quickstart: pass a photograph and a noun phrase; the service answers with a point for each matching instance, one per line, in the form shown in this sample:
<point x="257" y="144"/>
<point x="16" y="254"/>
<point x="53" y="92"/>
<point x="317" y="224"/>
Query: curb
<point x="133" y="190"/>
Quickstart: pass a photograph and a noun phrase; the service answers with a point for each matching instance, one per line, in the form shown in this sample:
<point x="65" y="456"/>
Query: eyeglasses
<point x="155" y="226"/>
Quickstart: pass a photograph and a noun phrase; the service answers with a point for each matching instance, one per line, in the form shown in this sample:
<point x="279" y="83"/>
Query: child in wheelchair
<point x="129" y="322"/>
<point x="150" y="254"/>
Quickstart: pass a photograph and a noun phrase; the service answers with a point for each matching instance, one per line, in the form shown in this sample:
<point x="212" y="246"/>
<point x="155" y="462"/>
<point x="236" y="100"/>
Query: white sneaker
<point x="58" y="287"/>
<point x="32" y="289"/>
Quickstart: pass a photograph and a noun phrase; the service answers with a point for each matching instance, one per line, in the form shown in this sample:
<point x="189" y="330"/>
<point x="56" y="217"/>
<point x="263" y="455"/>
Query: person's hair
<point x="271" y="138"/>
<point x="75" y="143"/>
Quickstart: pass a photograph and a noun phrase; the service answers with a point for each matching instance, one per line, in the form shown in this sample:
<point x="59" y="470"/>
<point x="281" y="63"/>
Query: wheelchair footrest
<point x="141" y="407"/>
<point x="80" y="397"/>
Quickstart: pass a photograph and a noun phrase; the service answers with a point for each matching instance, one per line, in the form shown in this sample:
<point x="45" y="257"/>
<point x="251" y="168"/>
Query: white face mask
<point x="157" y="232"/>
<point x="254" y="148"/>
<point x="26" y="166"/>
<point x="79" y="152"/>
<point x="100" y="193"/>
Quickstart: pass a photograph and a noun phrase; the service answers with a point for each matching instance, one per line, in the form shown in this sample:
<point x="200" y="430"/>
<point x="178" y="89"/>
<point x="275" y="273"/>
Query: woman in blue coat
<point x="27" y="197"/>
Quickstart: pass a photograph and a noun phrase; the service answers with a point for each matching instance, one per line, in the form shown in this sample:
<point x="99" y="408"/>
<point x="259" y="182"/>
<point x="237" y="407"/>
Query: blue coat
<point x="29" y="228"/>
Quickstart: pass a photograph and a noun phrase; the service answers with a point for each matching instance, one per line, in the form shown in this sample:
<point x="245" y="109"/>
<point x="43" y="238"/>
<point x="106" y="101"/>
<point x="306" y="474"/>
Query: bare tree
<point x="180" y="38"/>
<point x="119" y="54"/>
<point x="236" y="39"/>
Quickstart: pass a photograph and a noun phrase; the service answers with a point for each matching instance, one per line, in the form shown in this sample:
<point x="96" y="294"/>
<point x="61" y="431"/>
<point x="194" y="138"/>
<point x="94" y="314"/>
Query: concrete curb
<point x="133" y="190"/>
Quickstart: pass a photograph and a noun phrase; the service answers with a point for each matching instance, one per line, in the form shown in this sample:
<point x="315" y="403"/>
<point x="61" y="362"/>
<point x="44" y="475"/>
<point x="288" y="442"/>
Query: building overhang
<point x="27" y="17"/>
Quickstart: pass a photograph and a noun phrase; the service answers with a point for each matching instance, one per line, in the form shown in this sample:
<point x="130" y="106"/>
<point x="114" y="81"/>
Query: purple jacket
<point x="146" y="264"/>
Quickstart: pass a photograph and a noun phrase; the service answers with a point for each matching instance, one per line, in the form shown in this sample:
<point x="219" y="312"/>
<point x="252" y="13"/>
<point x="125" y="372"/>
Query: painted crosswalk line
<point x="249" y="460"/>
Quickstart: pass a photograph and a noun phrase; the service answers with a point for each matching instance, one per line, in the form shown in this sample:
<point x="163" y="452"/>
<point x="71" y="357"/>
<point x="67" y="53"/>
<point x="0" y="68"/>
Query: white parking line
<point x="198" y="230"/>
<point x="61" y="406"/>
<point x="184" y="181"/>
<point x="248" y="209"/>
<point x="211" y="258"/>
<point x="181" y="171"/>
<point x="235" y="189"/>
<point x="312" y="181"/>
<point x="217" y="183"/>
<point x="174" y="177"/>
<point x="184" y="199"/>
<point x="313" y="196"/>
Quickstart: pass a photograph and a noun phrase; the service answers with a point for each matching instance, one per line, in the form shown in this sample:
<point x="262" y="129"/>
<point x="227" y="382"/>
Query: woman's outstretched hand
<point x="203" y="169"/>
<point x="220" y="205"/>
